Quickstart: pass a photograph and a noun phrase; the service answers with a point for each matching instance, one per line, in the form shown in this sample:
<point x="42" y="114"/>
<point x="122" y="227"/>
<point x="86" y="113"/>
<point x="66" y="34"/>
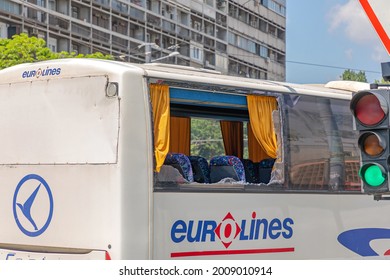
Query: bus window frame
<point x="280" y="179"/>
<point x="232" y="186"/>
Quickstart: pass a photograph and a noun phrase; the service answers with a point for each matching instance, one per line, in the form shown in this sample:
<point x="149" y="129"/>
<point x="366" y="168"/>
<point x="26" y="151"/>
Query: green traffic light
<point x="373" y="176"/>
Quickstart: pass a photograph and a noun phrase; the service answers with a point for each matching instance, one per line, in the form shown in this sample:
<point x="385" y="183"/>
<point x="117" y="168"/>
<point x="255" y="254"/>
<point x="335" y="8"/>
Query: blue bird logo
<point x="26" y="207"/>
<point x="36" y="219"/>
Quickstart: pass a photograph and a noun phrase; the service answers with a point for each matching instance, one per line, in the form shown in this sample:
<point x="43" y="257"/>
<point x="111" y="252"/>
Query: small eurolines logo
<point x="41" y="72"/>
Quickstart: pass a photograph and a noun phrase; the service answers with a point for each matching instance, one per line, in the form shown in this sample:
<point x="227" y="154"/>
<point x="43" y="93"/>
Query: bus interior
<point x="253" y="129"/>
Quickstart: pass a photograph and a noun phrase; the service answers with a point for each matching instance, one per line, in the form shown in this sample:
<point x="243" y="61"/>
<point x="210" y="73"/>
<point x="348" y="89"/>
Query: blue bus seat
<point x="181" y="163"/>
<point x="226" y="167"/>
<point x="265" y="169"/>
<point x="249" y="167"/>
<point x="200" y="168"/>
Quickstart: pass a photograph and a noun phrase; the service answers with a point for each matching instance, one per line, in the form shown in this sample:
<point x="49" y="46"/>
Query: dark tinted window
<point x="323" y="152"/>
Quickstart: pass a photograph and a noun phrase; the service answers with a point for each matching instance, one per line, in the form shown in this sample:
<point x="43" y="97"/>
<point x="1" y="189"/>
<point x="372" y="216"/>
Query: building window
<point x="274" y="6"/>
<point x="197" y="53"/>
<point x="263" y="51"/>
<point x="75" y="12"/>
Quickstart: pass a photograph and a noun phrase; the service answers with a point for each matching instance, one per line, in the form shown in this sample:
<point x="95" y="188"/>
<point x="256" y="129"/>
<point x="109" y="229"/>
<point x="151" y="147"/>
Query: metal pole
<point x="148" y="53"/>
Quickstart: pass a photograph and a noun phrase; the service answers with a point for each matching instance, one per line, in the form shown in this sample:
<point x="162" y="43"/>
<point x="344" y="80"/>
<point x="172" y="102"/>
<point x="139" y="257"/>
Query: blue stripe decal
<point x="206" y="98"/>
<point x="358" y="240"/>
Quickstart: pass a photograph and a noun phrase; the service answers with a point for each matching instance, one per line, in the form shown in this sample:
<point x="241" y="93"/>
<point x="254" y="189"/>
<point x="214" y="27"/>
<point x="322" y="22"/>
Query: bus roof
<point x="336" y="89"/>
<point x="183" y="74"/>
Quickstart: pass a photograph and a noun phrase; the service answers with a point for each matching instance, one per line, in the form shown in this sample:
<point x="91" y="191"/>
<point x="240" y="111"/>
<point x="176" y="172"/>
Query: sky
<point x="335" y="34"/>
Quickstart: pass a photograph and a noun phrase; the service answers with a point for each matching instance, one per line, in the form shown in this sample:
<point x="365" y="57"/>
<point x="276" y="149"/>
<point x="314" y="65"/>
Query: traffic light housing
<point x="370" y="109"/>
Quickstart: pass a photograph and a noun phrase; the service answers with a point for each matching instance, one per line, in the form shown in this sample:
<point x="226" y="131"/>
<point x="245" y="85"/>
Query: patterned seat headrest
<point x="201" y="170"/>
<point x="233" y="161"/>
<point x="183" y="162"/>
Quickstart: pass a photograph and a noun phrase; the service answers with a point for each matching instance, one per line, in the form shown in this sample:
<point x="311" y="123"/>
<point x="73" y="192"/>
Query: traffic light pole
<point x="370" y="109"/>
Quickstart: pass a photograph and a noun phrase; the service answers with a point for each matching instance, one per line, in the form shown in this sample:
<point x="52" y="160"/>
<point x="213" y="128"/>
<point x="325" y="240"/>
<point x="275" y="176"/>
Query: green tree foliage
<point x="206" y="138"/>
<point x="382" y="81"/>
<point x="350" y="75"/>
<point x="22" y="48"/>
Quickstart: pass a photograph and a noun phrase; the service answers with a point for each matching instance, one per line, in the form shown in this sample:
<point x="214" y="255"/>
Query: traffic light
<point x="370" y="109"/>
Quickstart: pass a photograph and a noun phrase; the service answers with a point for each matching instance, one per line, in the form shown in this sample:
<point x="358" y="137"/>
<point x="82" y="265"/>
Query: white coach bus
<point x="97" y="162"/>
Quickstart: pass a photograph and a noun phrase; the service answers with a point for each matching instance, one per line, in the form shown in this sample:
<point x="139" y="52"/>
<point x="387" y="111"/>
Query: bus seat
<point x="181" y="163"/>
<point x="265" y="169"/>
<point x="249" y="167"/>
<point x="200" y="168"/>
<point x="226" y="167"/>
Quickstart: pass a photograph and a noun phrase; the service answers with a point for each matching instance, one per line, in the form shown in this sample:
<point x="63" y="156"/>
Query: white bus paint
<point x="77" y="178"/>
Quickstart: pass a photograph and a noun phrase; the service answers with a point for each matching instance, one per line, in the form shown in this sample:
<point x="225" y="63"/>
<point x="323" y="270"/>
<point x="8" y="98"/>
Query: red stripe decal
<point x="232" y="252"/>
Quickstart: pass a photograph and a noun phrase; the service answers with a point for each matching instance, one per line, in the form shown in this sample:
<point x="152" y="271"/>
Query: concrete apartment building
<point x="238" y="37"/>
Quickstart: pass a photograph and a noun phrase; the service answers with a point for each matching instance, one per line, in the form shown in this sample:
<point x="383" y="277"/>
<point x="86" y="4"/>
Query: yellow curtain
<point x="255" y="151"/>
<point x="159" y="95"/>
<point x="232" y="134"/>
<point x="180" y="135"/>
<point x="260" y="114"/>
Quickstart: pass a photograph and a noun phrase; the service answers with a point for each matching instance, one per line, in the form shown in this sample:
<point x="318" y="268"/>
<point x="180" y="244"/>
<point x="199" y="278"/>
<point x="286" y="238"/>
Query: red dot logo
<point x="39" y="73"/>
<point x="227" y="230"/>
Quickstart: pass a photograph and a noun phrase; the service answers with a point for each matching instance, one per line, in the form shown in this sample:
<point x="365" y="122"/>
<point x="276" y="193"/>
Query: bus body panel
<point x="136" y="169"/>
<point x="66" y="187"/>
<point x="46" y="108"/>
<point x="66" y="211"/>
<point x="263" y="226"/>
